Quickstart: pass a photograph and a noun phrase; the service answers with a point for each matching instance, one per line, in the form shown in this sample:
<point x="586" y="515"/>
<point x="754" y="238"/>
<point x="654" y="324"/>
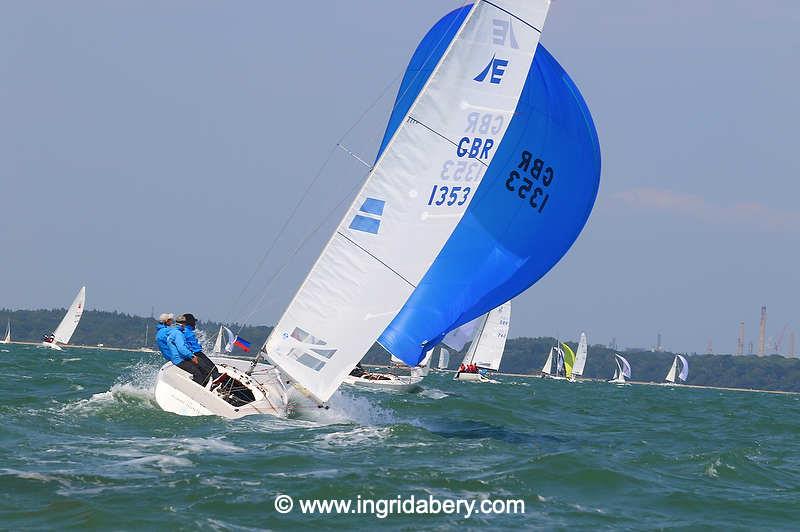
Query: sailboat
<point x="622" y="371"/>
<point x="7" y="338"/>
<point x="68" y="324"/>
<point x="673" y="370"/>
<point x="147" y="340"/>
<point x="444" y="359"/>
<point x="223" y="333"/>
<point x="580" y="356"/>
<point x="486" y="175"/>
<point x="559" y="363"/>
<point x="486" y="349"/>
<point x="392" y="382"/>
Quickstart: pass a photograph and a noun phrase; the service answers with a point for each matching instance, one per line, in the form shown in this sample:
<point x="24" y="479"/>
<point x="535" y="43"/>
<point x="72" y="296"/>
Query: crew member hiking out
<point x="187" y="323"/>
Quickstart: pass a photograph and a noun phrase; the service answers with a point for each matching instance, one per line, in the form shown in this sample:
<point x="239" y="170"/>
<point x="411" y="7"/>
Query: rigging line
<point x="327" y="160"/>
<point x="412" y="285"/>
<point x="286" y="263"/>
<point x="303" y="197"/>
<point x="353" y="155"/>
<point x="513" y="15"/>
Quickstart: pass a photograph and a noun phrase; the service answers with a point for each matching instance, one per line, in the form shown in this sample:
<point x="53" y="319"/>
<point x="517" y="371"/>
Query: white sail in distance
<point x="624" y="366"/>
<point x="444" y="358"/>
<point x="672" y="371"/>
<point x="7" y="337"/>
<point x="392" y="232"/>
<point x="70" y="321"/>
<point x="580" y="355"/>
<point x="684" y="368"/>
<point x="486" y="350"/>
<point x="548" y="364"/>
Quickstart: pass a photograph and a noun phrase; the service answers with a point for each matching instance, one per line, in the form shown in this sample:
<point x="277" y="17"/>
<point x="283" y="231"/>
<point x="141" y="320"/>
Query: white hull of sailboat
<point x="617" y="381"/>
<point x="176" y="392"/>
<point x="51" y="345"/>
<point x="472" y="377"/>
<point x="391" y="383"/>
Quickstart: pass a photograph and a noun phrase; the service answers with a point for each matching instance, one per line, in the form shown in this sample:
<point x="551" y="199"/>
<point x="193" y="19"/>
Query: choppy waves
<point x="84" y="443"/>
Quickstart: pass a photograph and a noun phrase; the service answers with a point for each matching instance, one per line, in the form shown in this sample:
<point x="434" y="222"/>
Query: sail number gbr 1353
<point x="446" y="195"/>
<point x="530" y="172"/>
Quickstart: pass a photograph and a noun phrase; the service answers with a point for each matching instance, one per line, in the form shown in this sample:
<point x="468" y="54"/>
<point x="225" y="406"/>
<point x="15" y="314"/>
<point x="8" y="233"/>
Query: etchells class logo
<point x="369" y="219"/>
<point x="494" y="71"/>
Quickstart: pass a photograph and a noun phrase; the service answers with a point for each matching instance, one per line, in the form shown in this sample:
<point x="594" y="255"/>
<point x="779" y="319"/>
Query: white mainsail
<point x="672" y="370"/>
<point x="218" y="342"/>
<point x="366" y="273"/>
<point x="70" y="321"/>
<point x="444" y="358"/>
<point x="580" y="355"/>
<point x="548" y="364"/>
<point x="7" y="337"/>
<point x="486" y="350"/>
<point x="228" y="347"/>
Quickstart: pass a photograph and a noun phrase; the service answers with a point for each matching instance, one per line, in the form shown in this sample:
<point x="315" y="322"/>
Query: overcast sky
<point x="153" y="150"/>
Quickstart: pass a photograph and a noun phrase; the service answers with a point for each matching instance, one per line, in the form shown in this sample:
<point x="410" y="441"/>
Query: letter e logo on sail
<point x="495" y="67"/>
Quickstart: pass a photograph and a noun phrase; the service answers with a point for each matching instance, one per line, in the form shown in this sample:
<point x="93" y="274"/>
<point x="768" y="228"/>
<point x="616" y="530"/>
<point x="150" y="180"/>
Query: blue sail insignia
<point x="368" y="224"/>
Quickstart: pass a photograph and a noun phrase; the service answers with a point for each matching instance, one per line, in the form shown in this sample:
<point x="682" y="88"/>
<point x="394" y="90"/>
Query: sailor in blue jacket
<point x="187" y="322"/>
<point x="172" y="345"/>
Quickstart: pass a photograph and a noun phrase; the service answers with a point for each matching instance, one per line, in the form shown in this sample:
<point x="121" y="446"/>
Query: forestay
<point x="403" y="216"/>
<point x="70" y="321"/>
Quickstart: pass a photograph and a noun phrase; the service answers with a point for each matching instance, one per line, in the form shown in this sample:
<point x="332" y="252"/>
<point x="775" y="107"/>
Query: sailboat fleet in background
<point x="68" y="324"/>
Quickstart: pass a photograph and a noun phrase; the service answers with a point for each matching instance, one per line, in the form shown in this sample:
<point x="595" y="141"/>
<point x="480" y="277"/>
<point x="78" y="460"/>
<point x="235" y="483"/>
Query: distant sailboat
<point x="444" y="358"/>
<point x="7" y="337"/>
<point x="622" y="372"/>
<point x="569" y="361"/>
<point x="391" y="382"/>
<point x="547" y="369"/>
<point x="486" y="350"/>
<point x="580" y="356"/>
<point x="420" y="252"/>
<point x="147" y="340"/>
<point x="673" y="371"/>
<point x="560" y="363"/>
<point x="68" y="324"/>
<point x="220" y="349"/>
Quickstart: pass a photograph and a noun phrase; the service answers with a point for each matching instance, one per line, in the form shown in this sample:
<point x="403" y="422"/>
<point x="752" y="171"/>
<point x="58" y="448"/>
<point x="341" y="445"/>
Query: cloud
<point x="753" y="215"/>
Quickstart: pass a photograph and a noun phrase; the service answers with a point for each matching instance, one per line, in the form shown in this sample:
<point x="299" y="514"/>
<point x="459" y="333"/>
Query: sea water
<point x="84" y="445"/>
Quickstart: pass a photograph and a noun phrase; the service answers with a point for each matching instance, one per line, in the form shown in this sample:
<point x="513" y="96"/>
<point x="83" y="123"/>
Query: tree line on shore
<point x="522" y="355"/>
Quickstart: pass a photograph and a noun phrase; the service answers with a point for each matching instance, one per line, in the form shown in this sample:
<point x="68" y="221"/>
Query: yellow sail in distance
<point x="569" y="359"/>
